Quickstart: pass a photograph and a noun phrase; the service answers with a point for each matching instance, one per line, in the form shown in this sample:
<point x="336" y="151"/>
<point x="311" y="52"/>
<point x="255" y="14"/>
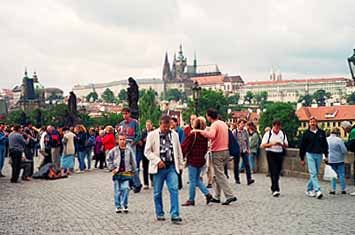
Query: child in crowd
<point x="122" y="163"/>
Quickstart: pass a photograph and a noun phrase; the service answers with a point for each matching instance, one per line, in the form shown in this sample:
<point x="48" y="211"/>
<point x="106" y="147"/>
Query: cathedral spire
<point x="166" y="68"/>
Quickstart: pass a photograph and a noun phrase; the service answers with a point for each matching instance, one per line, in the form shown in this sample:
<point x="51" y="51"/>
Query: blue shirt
<point x="337" y="149"/>
<point x="181" y="134"/>
<point x="3" y="139"/>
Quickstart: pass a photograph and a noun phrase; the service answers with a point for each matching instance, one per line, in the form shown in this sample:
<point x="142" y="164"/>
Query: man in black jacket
<point x="313" y="145"/>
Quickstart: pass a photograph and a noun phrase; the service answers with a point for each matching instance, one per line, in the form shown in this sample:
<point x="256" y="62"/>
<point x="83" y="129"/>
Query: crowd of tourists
<point x="165" y="152"/>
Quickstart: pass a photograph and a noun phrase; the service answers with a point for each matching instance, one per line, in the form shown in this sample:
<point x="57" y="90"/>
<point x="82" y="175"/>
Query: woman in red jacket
<point x="194" y="149"/>
<point x="108" y="141"/>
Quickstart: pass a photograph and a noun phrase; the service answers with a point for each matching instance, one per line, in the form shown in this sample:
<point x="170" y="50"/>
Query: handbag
<point x="329" y="173"/>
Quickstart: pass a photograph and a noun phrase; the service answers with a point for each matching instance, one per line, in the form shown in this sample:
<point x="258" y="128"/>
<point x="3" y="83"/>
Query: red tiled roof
<point x="253" y="116"/>
<point x="209" y="80"/>
<point x="313" y="80"/>
<point x="333" y="113"/>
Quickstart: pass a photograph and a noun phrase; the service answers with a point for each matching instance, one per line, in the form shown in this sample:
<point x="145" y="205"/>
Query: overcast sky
<point x="72" y="42"/>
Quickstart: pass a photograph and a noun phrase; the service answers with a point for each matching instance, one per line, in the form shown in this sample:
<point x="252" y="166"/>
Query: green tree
<point x="306" y="100"/>
<point x="286" y="113"/>
<point x="122" y="95"/>
<point x="261" y="97"/>
<point x="209" y="99"/>
<point x="175" y="94"/>
<point x="92" y="96"/>
<point x="350" y="99"/>
<point x="248" y="97"/>
<point x="233" y="99"/>
<point x="14" y="117"/>
<point x="320" y="96"/>
<point x="108" y="119"/>
<point x="108" y="96"/>
<point x="149" y="108"/>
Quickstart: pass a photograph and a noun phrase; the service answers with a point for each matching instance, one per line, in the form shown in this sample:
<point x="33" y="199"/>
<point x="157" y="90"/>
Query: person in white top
<point x="275" y="142"/>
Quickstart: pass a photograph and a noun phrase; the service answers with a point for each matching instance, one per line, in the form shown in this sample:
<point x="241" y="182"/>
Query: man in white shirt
<point x="274" y="142"/>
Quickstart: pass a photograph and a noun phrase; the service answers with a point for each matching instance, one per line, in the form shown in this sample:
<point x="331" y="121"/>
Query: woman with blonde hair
<point x="81" y="137"/>
<point x="194" y="149"/>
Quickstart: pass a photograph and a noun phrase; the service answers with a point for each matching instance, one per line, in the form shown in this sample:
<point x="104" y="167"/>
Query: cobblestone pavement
<point x="83" y="204"/>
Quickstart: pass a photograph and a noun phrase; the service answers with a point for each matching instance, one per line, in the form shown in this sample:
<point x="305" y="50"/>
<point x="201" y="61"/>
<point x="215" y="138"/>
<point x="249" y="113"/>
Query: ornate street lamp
<point x="351" y="62"/>
<point x="196" y="95"/>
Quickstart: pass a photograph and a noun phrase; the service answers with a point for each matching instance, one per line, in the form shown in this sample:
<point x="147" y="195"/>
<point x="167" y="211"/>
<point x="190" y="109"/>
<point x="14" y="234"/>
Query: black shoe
<point x="332" y="192"/>
<point x="176" y="220"/>
<point x="237" y="181"/>
<point x="214" y="200"/>
<point x="125" y="210"/>
<point x="241" y="171"/>
<point x="229" y="201"/>
<point x="188" y="203"/>
<point x="137" y="189"/>
<point x="209" y="186"/>
<point x="161" y="218"/>
<point x="251" y="182"/>
<point x="119" y="210"/>
<point x="208" y="198"/>
<point x="343" y="192"/>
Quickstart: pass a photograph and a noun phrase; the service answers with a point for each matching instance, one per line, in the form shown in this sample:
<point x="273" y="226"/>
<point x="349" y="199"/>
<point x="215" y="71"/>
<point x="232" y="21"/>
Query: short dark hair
<point x="174" y="119"/>
<point x="126" y="110"/>
<point x="165" y="119"/>
<point x="212" y="113"/>
<point x="276" y="122"/>
<point x="16" y="127"/>
<point x="65" y="128"/>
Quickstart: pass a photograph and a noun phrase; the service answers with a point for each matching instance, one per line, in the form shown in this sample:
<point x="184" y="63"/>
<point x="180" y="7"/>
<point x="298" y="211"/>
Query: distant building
<point x="226" y="84"/>
<point x="328" y="117"/>
<point x="290" y="90"/>
<point x="31" y="94"/>
<point x="116" y="86"/>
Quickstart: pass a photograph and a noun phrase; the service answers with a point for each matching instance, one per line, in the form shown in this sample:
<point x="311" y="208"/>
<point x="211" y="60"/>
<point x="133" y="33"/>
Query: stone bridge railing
<point x="292" y="166"/>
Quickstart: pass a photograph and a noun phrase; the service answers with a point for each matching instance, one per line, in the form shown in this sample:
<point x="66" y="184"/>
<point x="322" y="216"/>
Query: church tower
<point x="180" y="64"/>
<point x="166" y="69"/>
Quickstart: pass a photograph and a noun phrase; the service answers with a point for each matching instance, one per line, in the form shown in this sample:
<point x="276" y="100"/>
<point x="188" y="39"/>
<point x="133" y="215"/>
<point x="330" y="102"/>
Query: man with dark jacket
<point x="313" y="145"/>
<point x="16" y="148"/>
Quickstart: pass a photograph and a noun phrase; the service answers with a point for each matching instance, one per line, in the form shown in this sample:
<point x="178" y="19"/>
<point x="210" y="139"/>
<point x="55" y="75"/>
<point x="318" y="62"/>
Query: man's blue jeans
<point x="121" y="193"/>
<point x="171" y="177"/>
<point x="2" y="156"/>
<point x="88" y="156"/>
<point x="340" y="170"/>
<point x="81" y="158"/>
<point x="251" y="163"/>
<point x="136" y="180"/>
<point x="195" y="181"/>
<point x="313" y="161"/>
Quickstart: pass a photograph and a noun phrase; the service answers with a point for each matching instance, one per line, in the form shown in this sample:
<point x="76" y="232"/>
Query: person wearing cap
<point x="337" y="151"/>
<point x="313" y="145"/>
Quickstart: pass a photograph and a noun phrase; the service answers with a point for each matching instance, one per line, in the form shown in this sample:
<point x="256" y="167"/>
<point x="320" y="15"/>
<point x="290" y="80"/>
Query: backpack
<point x="284" y="151"/>
<point x="233" y="145"/>
<point x="55" y="139"/>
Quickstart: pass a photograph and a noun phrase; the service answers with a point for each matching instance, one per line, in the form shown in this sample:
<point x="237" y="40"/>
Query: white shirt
<point x="274" y="137"/>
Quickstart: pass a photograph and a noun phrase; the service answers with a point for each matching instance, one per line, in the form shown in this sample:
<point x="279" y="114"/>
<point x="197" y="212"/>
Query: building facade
<point x="291" y="90"/>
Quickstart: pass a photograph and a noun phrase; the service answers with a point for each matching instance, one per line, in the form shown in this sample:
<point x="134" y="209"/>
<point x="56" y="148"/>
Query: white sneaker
<point x="319" y="195"/>
<point x="310" y="193"/>
<point x="276" y="194"/>
<point x="352" y="194"/>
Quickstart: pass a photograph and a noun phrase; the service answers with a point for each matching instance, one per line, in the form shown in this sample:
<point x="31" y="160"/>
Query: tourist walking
<point x="67" y="159"/>
<point x="337" y="151"/>
<point x="242" y="137"/>
<point x="148" y="128"/>
<point x="55" y="142"/>
<point x="350" y="144"/>
<point x="99" y="150"/>
<point x="16" y="149"/>
<point x="3" y="142"/>
<point x="313" y="145"/>
<point x="82" y="139"/>
<point x="165" y="161"/>
<point x="218" y="134"/>
<point x="194" y="149"/>
<point x="274" y="142"/>
<point x="90" y="146"/>
<point x="122" y="163"/>
<point x="130" y="128"/>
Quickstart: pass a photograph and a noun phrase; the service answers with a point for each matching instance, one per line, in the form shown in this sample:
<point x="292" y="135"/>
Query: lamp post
<point x="351" y="62"/>
<point x="196" y="95"/>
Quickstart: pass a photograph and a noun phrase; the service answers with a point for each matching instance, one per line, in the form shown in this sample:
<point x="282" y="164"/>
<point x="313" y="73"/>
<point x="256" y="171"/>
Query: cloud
<point x="86" y="41"/>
